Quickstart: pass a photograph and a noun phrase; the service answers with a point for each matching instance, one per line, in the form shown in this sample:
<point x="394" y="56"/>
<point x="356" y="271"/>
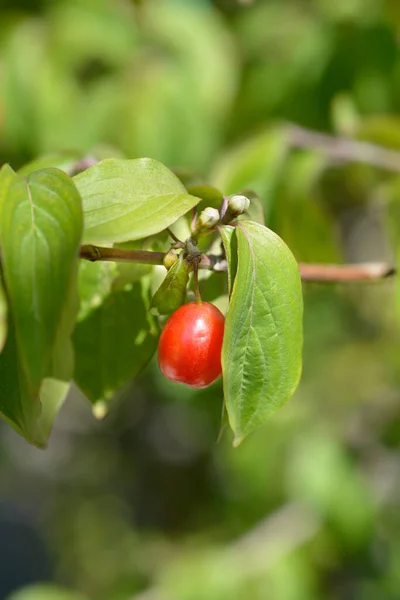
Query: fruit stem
<point x="196" y="282"/>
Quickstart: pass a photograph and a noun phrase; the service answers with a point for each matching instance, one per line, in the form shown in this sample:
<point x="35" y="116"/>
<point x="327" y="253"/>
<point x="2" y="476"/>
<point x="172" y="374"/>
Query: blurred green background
<point x="145" y="505"/>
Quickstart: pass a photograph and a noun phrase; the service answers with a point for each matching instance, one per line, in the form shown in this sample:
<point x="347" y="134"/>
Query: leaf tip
<point x="238" y="440"/>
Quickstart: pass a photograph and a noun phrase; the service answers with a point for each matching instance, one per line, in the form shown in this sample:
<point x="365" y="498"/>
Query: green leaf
<point x="30" y="414"/>
<point x="18" y="406"/>
<point x="40" y="229"/>
<point x="229" y="242"/>
<point x="95" y="281"/>
<point x="3" y="317"/>
<point x="130" y="199"/>
<point x="261" y="355"/>
<point x="40" y="232"/>
<point x="52" y="394"/>
<point x="172" y="292"/>
<point x="115" y="342"/>
<point x="209" y="195"/>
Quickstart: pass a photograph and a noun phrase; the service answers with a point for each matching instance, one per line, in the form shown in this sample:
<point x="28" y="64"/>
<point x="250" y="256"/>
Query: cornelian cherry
<point x="190" y="345"/>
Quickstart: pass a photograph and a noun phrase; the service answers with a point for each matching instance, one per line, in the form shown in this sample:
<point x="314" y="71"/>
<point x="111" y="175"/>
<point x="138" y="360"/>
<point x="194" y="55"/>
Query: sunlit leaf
<point x="262" y="348"/>
<point x="130" y="199"/>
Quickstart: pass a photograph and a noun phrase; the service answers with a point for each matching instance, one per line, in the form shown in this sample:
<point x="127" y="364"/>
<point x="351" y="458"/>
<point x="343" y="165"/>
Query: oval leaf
<point x="172" y="292"/>
<point x="261" y="355"/>
<point x="130" y="199"/>
<point x="40" y="233"/>
<point x="114" y="343"/>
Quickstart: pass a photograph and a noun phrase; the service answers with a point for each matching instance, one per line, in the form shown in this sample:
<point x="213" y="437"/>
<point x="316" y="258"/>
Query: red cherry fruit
<point x="189" y="350"/>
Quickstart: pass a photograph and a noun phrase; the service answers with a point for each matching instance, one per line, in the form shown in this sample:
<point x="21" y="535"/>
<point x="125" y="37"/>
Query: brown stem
<point x="345" y="273"/>
<point x="95" y="253"/>
<point x="323" y="273"/>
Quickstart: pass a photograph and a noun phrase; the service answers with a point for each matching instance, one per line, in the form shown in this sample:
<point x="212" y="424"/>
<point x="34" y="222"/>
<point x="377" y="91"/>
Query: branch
<point x="309" y="272"/>
<point x="345" y="273"/>
<point x="95" y="253"/>
<point x="344" y="149"/>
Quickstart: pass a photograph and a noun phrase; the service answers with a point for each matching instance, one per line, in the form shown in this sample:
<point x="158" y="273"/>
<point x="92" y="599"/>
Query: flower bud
<point x="207" y="219"/>
<point x="170" y="259"/>
<point x="238" y="204"/>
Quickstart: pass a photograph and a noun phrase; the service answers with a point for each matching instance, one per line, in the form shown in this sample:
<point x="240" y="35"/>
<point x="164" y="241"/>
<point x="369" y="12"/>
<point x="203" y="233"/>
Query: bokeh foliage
<point x="146" y="499"/>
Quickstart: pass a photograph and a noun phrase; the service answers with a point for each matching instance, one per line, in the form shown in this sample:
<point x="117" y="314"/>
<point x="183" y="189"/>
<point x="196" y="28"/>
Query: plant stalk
<point x="317" y="273"/>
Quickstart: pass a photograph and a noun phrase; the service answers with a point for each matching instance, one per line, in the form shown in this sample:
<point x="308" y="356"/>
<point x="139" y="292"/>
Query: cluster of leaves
<point x="44" y="217"/>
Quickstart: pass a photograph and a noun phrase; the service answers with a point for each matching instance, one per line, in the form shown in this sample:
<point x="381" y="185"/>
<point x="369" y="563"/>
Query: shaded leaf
<point x="115" y="342"/>
<point x="210" y="196"/>
<point x="262" y="348"/>
<point x="40" y="231"/>
<point x="126" y="200"/>
<point x="94" y="283"/>
<point x="172" y="292"/>
<point x="19" y="407"/>
<point x="30" y="414"/>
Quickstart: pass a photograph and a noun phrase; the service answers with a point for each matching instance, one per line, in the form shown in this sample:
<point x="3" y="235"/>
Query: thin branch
<point x="345" y="273"/>
<point x="324" y="273"/>
<point x="341" y="150"/>
<point x="95" y="253"/>
<point x="337" y="149"/>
